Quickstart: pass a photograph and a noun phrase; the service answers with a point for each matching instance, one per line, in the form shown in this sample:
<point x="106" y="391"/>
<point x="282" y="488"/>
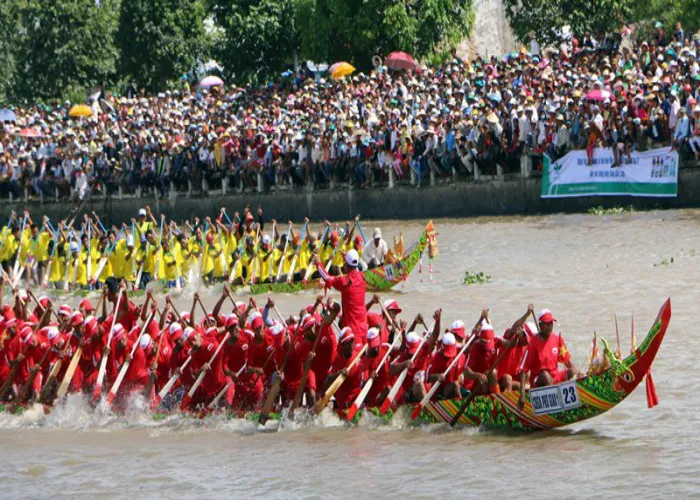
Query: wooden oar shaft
<point x="68" y="377"/>
<point x="321" y="404"/>
<point x="274" y="390"/>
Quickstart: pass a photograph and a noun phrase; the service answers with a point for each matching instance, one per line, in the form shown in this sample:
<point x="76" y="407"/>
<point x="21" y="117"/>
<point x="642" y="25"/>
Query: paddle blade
<point x="156" y="402"/>
<point x="185" y="402"/>
<point x="416" y="411"/>
<point x="385" y="406"/>
<point x="110" y="399"/>
<point x="97" y="393"/>
<point x="352" y="412"/>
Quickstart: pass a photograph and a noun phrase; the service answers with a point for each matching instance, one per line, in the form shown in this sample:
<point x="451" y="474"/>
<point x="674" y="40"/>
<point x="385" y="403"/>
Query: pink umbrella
<point x="29" y="132"/>
<point x="400" y="60"/>
<point x="211" y="81"/>
<point x="598" y="95"/>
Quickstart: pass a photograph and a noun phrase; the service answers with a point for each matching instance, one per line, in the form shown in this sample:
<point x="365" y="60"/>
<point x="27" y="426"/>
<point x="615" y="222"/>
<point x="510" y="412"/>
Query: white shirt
<point x="373" y="251"/>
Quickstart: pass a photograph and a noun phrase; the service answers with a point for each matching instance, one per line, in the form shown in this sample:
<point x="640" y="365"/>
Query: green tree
<point x="258" y="38"/>
<point x="547" y="17"/>
<point x="9" y="35"/>
<point x="356" y="30"/>
<point x="62" y="46"/>
<point x="160" y="40"/>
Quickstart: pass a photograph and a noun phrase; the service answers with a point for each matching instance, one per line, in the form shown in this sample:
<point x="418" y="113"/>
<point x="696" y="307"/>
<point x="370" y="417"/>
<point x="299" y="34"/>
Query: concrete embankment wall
<point x="462" y="199"/>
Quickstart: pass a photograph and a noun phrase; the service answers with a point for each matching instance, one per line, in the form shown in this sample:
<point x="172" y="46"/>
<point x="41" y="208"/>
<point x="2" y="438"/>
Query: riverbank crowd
<point x="619" y="92"/>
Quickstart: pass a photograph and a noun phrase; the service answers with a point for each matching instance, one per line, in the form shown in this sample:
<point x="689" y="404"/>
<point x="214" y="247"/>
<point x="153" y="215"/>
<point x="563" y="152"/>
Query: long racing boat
<point x="545" y="407"/>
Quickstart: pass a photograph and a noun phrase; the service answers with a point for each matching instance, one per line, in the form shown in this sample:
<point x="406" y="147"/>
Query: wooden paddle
<point x="304" y="378"/>
<point x="426" y="399"/>
<point x="103" y="362"/>
<point x="45" y="397"/>
<point x="275" y="389"/>
<point x="125" y="367"/>
<point x="212" y="406"/>
<point x="323" y="402"/>
<point x="200" y="378"/>
<point x="368" y="385"/>
<point x="171" y="382"/>
<point x="68" y="377"/>
<point x="472" y="395"/>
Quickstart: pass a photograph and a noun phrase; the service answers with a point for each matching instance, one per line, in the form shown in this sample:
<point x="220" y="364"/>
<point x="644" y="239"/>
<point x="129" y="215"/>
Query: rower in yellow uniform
<point x="123" y="259"/>
<point x="170" y="266"/>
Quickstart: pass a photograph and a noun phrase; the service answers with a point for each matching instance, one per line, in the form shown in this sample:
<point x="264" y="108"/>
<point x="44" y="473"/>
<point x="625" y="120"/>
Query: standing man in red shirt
<point x="352" y="288"/>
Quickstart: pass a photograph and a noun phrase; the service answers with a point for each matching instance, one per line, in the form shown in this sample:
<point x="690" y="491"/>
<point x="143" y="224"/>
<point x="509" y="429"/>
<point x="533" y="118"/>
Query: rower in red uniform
<point x="378" y="321"/>
<point x="348" y="349"/>
<point x="376" y="350"/>
<point x="509" y="366"/>
<point x="352" y="288"/>
<point x="480" y="379"/>
<point x="203" y="347"/>
<point x="413" y="388"/>
<point x="443" y="357"/>
<point x="234" y="357"/>
<point x="253" y="378"/>
<point x="543" y="355"/>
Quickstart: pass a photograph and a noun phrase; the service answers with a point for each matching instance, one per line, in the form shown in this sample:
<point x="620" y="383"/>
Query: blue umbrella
<point x="7" y="115"/>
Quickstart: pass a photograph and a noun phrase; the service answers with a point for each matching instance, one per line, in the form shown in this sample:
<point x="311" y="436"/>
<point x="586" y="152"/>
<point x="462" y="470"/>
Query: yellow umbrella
<point x="79" y="111"/>
<point x="341" y="69"/>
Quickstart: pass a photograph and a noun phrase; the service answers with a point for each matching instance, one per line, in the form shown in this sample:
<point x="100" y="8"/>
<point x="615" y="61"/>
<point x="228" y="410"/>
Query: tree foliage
<point x="356" y="30"/>
<point x="547" y="17"/>
<point x="62" y="45"/>
<point x="258" y="37"/>
<point x="160" y="40"/>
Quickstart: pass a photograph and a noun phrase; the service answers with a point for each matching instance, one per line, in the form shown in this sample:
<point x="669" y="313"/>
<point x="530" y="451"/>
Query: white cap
<point x="117" y="328"/>
<point x="73" y="246"/>
<point x="449" y="339"/>
<point x="130" y="240"/>
<point x="52" y="333"/>
<point x="485" y="325"/>
<point x="186" y="333"/>
<point x="412" y="337"/>
<point x="88" y="319"/>
<point x="266" y="239"/>
<point x="276" y="329"/>
<point x="23" y="294"/>
<point x="145" y="341"/>
<point x="352" y="258"/>
<point x="175" y="327"/>
<point x="372" y="333"/>
<point x="377" y="233"/>
<point x="142" y="212"/>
